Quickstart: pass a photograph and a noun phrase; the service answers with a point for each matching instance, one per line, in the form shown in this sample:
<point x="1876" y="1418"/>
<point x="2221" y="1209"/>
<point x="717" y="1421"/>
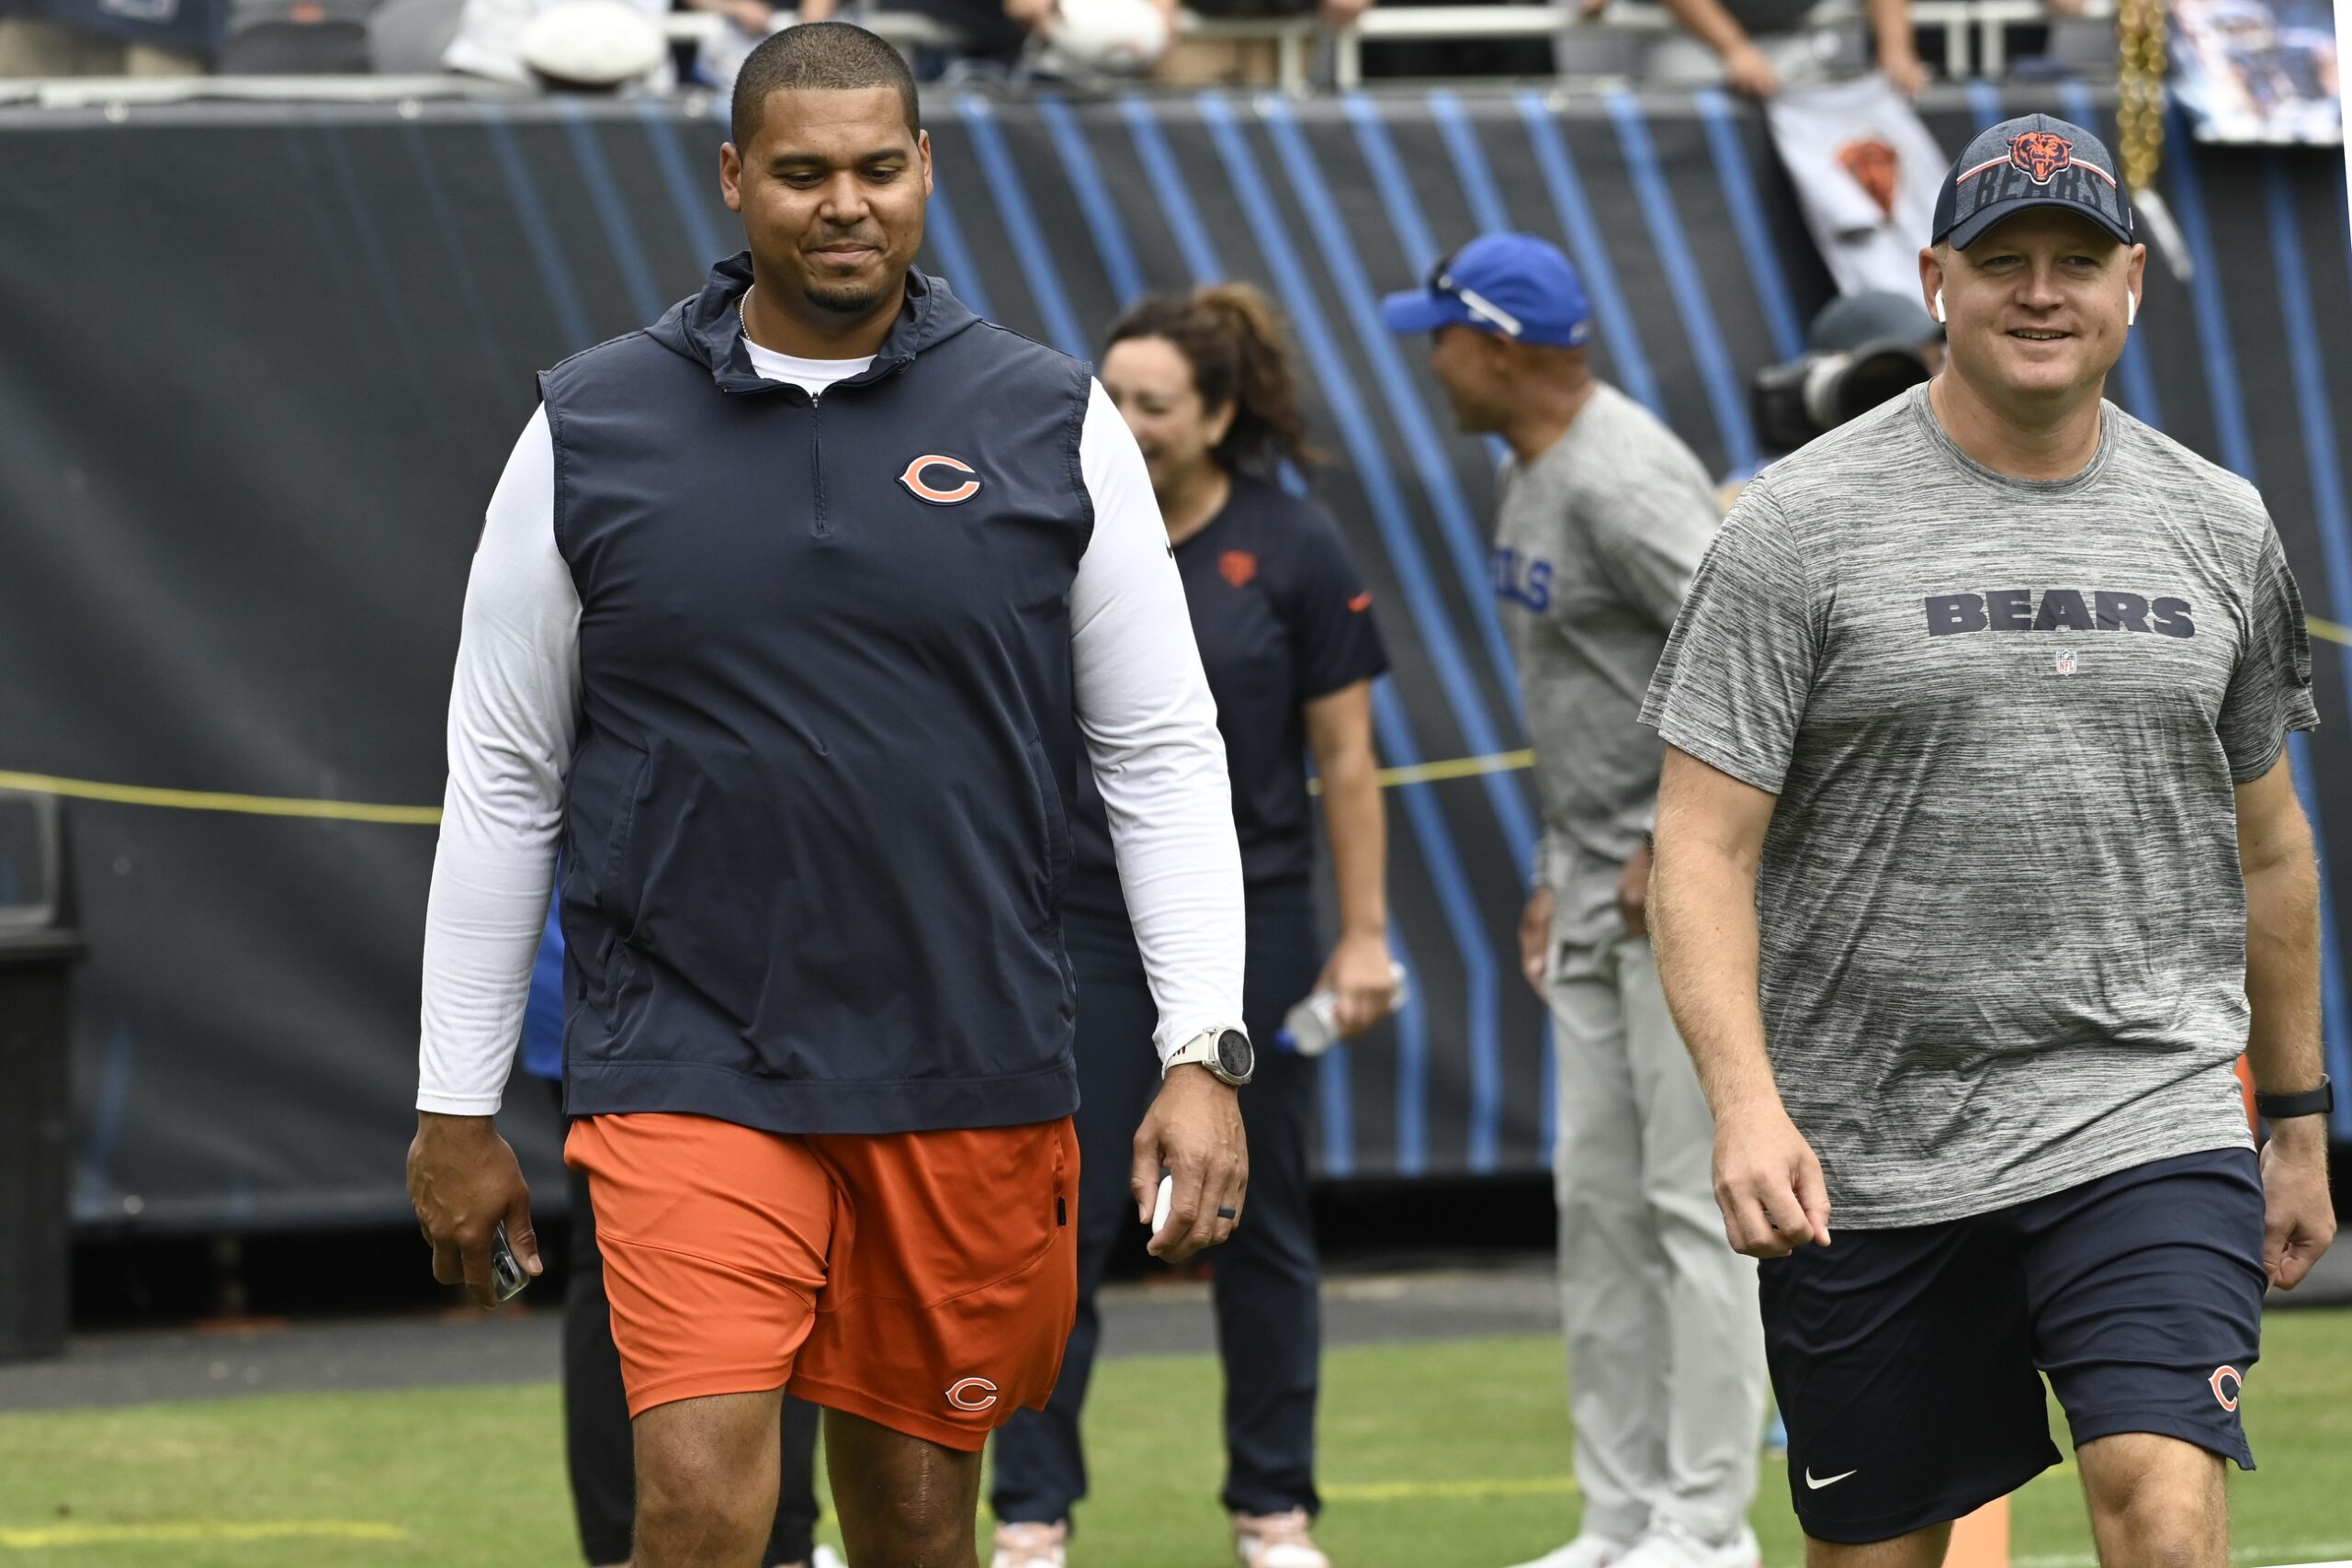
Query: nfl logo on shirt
<point x="2066" y="662"/>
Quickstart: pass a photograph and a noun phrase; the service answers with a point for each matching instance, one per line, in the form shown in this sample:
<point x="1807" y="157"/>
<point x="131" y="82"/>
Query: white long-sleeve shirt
<point x="1143" y="707"/>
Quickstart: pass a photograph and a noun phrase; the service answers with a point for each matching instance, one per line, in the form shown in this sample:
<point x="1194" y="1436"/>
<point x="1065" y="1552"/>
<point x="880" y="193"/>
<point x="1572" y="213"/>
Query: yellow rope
<point x="430" y="815"/>
<point x="184" y="1532"/>
<point x="1456" y="768"/>
<point x="211" y="800"/>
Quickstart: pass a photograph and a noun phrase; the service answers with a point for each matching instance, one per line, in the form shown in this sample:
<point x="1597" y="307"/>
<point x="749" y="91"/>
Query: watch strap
<point x="1201" y="1050"/>
<point x="2309" y="1102"/>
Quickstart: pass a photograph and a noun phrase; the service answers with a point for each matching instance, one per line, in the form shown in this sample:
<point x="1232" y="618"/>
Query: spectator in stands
<point x="90" y="38"/>
<point x="1199" y="62"/>
<point x="596" y="1440"/>
<point x="1760" y="46"/>
<point x="993" y="32"/>
<point x="1287" y="638"/>
<point x="594" y="45"/>
<point x="1051" y="36"/>
<point x="746" y="24"/>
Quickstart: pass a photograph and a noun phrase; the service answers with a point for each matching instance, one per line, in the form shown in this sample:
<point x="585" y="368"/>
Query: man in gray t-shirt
<point x="1604" y="516"/>
<point x="1979" y="864"/>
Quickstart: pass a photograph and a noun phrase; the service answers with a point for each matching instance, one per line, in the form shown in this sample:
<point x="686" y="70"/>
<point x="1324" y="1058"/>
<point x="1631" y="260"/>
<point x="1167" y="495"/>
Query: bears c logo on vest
<point x="954" y="493"/>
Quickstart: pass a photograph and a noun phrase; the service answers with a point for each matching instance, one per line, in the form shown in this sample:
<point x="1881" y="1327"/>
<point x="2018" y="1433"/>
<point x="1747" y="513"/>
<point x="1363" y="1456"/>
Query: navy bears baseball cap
<point x="1512" y="285"/>
<point x="2036" y="160"/>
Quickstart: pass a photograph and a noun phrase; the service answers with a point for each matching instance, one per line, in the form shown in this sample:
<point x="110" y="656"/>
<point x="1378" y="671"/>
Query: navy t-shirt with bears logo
<point x="1282" y="619"/>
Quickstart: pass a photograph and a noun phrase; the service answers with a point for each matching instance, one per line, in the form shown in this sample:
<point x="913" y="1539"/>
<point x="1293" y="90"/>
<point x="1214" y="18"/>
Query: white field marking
<point x="2297" y="1554"/>
<point x="1448" y="1491"/>
<point x="190" y="1531"/>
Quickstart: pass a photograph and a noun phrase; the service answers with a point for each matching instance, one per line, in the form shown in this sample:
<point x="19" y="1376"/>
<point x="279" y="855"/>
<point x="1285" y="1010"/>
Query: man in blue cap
<point x="1604" y="516"/>
<point x="1979" y="864"/>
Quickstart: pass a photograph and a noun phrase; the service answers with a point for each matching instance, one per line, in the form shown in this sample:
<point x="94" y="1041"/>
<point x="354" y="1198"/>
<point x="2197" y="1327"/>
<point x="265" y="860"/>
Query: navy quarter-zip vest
<point x="814" y="837"/>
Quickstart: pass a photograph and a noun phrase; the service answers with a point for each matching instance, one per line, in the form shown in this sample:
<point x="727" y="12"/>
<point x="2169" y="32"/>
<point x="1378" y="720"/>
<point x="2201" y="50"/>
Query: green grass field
<point x="1449" y="1455"/>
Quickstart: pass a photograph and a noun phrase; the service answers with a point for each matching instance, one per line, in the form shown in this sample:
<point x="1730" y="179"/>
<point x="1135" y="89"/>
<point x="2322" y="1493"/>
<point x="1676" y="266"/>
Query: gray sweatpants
<point x="1666" y="1351"/>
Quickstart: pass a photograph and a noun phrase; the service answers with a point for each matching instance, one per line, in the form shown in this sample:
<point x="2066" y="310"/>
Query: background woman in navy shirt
<point x="1286" y="635"/>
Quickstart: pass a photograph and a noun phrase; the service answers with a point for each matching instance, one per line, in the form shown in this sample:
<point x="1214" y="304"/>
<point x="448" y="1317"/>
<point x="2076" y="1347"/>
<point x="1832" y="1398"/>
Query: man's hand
<point x="1193" y="1131"/>
<point x="1769" y="1183"/>
<point x="1751" y="70"/>
<point x="1634" y="893"/>
<point x="1535" y="938"/>
<point x="1034" y="16"/>
<point x="462" y="1180"/>
<point x="2298" y="1216"/>
<point x="1357" y="977"/>
<point x="1899" y="62"/>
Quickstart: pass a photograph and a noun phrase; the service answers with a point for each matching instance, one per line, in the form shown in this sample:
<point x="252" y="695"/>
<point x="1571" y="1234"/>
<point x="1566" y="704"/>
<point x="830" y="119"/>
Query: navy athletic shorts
<point x="1906" y="1360"/>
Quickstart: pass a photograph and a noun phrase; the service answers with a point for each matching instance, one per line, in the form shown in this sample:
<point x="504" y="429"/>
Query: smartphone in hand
<point x="506" y="1274"/>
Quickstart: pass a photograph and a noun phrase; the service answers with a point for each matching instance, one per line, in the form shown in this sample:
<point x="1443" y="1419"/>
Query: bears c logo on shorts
<point x="973" y="1393"/>
<point x="2237" y="1385"/>
<point x="953" y="492"/>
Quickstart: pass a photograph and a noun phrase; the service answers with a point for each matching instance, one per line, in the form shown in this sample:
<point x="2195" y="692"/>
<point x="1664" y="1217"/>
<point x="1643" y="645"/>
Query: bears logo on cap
<point x="2043" y="154"/>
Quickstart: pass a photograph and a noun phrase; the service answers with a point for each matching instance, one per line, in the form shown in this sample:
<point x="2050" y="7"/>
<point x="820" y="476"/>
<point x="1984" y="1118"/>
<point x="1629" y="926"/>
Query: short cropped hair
<point x="827" y="56"/>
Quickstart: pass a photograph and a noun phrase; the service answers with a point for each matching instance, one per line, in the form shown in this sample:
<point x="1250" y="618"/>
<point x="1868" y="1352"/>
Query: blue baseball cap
<point x="1515" y="286"/>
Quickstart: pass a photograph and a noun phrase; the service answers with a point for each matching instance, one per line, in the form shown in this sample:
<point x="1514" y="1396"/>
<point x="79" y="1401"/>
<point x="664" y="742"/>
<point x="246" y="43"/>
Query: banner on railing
<point x="2257" y="70"/>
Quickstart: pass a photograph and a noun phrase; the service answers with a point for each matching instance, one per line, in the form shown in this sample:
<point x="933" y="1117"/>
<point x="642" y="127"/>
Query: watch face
<point x="1234" y="1055"/>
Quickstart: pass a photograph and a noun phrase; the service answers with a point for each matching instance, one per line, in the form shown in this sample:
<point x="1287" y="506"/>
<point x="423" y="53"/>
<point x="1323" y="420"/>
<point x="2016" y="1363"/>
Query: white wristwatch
<point x="1224" y="1049"/>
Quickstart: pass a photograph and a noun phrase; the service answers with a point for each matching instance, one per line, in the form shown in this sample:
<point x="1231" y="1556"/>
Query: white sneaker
<point x="826" y="1557"/>
<point x="1669" y="1545"/>
<point x="1275" y="1540"/>
<point x="1585" y="1551"/>
<point x="1031" y="1546"/>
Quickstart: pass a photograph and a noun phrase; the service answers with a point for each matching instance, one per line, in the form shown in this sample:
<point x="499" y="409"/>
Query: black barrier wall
<point x="261" y="367"/>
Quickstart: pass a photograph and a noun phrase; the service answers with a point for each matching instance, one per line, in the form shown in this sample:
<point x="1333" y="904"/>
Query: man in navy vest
<point x="790" y="616"/>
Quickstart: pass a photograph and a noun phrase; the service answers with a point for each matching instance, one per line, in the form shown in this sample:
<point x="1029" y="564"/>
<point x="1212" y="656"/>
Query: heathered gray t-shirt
<point x="2003" y="923"/>
<point x="1596" y="541"/>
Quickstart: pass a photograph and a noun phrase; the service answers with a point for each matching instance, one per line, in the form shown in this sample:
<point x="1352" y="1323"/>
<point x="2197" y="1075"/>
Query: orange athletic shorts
<point x="924" y="1280"/>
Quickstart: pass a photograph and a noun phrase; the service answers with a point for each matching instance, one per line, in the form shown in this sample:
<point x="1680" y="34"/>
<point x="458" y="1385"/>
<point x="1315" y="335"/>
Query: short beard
<point x="852" y="300"/>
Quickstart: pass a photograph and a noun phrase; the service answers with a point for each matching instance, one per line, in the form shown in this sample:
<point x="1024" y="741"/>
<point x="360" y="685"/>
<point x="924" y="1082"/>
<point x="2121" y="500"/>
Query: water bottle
<point x="1312" y="1027"/>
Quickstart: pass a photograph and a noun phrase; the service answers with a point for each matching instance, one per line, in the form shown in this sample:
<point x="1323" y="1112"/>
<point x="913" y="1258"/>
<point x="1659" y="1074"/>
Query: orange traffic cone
<point x="1982" y="1539"/>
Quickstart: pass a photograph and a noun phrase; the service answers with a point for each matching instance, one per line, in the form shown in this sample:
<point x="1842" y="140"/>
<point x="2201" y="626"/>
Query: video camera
<point x="1816" y="393"/>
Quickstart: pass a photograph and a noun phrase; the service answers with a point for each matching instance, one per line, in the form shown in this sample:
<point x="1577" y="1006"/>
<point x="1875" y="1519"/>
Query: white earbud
<point x="1939" y="307"/>
<point x="2130" y="310"/>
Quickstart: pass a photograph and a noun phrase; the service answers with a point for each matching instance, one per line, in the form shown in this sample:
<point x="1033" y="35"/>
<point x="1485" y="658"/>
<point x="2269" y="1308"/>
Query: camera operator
<point x="1860" y="350"/>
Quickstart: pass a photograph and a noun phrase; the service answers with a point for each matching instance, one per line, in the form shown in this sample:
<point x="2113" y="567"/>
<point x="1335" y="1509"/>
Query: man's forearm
<point x="1703" y="926"/>
<point x="1890" y="26"/>
<point x="2282" y="973"/>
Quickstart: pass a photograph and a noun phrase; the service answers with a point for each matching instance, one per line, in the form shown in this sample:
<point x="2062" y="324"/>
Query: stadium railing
<point x="1974" y="43"/>
<point x="1975" y="32"/>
